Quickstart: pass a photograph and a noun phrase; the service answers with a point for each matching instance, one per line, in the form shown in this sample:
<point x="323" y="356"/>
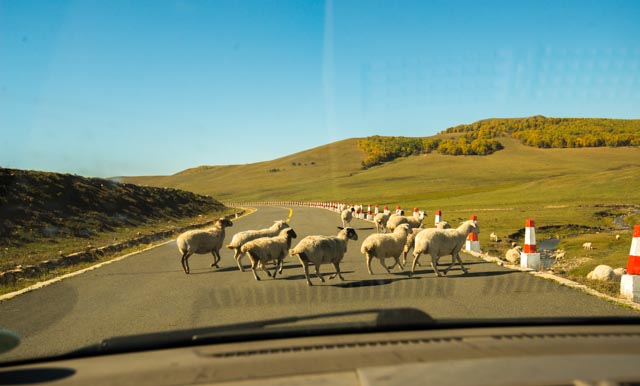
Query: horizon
<point x="129" y="89"/>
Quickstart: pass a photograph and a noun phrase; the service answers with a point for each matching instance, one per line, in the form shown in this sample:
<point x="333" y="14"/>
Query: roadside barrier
<point x="530" y="258"/>
<point x="376" y="209"/>
<point x="473" y="244"/>
<point x="438" y="218"/>
<point x="398" y="210"/>
<point x="416" y="214"/>
<point x="630" y="282"/>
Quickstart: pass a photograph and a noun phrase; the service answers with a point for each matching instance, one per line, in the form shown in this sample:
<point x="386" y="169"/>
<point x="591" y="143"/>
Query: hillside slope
<point x="39" y="205"/>
<point x="518" y="175"/>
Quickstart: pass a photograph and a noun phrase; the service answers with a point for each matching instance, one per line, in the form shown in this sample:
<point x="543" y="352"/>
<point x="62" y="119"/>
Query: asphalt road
<point x="149" y="292"/>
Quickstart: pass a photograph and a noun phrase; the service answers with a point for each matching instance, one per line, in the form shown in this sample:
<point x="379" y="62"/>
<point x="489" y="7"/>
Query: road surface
<point x="149" y="292"/>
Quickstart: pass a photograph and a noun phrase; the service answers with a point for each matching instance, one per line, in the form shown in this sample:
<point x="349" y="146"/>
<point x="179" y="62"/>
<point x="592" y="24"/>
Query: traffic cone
<point x="376" y="209"/>
<point x="398" y="210"/>
<point x="416" y="214"/>
<point x="386" y="209"/>
<point x="438" y="217"/>
<point x="630" y="282"/>
<point x="530" y="258"/>
<point x="473" y="244"/>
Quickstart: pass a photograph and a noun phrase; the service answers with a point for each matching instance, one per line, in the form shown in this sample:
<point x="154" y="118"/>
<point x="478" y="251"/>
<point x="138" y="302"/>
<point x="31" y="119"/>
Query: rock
<point x="601" y="273"/>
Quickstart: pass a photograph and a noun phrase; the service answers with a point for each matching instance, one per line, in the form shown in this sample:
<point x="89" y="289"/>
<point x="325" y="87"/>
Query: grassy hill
<point x="45" y="214"/>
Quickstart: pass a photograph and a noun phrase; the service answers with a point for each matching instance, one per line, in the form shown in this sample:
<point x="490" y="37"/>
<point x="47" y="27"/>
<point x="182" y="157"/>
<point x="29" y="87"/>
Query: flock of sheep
<point x="271" y="245"/>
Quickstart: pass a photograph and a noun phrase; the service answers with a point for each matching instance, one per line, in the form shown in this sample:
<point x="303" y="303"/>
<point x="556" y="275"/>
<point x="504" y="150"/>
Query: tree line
<point x="481" y="137"/>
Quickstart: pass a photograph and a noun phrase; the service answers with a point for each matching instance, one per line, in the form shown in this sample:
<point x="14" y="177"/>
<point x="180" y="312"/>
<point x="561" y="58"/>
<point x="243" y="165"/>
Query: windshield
<point x="178" y="165"/>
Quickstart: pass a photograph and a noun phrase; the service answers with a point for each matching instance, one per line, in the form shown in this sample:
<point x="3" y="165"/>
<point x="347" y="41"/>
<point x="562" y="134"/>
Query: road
<point x="149" y="292"/>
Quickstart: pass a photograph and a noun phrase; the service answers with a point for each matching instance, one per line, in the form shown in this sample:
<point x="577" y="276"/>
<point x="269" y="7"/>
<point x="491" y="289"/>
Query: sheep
<point x="513" y="254"/>
<point x="443" y="242"/>
<point x="346" y="215"/>
<point x="587" y="246"/>
<point x="242" y="237"/>
<point x="386" y="245"/>
<point x="266" y="249"/>
<point x="381" y="222"/>
<point x="396" y="219"/>
<point x="320" y="250"/>
<point x="617" y="237"/>
<point x="493" y="237"/>
<point x="412" y="237"/>
<point x="201" y="242"/>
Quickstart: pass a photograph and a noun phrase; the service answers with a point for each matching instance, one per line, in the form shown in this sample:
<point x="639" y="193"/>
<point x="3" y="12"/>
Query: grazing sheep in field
<point x="382" y="246"/>
<point x="396" y="219"/>
<point x="443" y="242"/>
<point x="513" y="254"/>
<point x="201" y="242"/>
<point x="319" y="250"/>
<point x="617" y="237"/>
<point x="346" y="216"/>
<point x="587" y="246"/>
<point x="493" y="237"/>
<point x="412" y="238"/>
<point x="381" y="222"/>
<point x="266" y="249"/>
<point x="241" y="238"/>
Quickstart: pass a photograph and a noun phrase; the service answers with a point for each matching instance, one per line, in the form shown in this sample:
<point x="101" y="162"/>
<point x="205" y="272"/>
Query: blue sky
<point x="107" y="88"/>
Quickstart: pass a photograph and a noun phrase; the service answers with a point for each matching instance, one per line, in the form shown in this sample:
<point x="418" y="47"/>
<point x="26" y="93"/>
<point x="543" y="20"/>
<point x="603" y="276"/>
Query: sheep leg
<point x="216" y="259"/>
<point x="369" y="264"/>
<point x="456" y="257"/>
<point x="185" y="262"/>
<point x="394" y="265"/>
<point x="434" y="265"/>
<point x="401" y="266"/>
<point x="238" y="256"/>
<point x="337" y="266"/>
<point x="382" y="264"/>
<point x="275" y="268"/>
<point x="254" y="266"/>
<point x="416" y="256"/>
<point x="305" y="264"/>
<point x="318" y="273"/>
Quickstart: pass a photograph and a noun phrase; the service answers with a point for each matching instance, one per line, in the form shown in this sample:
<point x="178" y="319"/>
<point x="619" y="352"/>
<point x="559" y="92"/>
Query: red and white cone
<point x="386" y="209"/>
<point x="376" y="209"/>
<point x="438" y="218"/>
<point x="369" y="216"/>
<point x="398" y="210"/>
<point x="630" y="282"/>
<point x="416" y="214"/>
<point x="473" y="244"/>
<point x="530" y="258"/>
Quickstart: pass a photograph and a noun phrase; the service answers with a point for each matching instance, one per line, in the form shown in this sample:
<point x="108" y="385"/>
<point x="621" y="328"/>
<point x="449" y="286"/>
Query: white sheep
<point x="269" y="249"/>
<point x="513" y="254"/>
<point x="319" y="250"/>
<point x="396" y="219"/>
<point x="587" y="246"/>
<point x="493" y="237"/>
<point x="243" y="237"/>
<point x="382" y="246"/>
<point x="381" y="222"/>
<point x="617" y="237"/>
<point x="346" y="216"/>
<point x="202" y="241"/>
<point x="412" y="238"/>
<point x="443" y="242"/>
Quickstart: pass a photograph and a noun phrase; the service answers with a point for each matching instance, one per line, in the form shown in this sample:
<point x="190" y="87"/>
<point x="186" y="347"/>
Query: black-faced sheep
<point x="318" y="250"/>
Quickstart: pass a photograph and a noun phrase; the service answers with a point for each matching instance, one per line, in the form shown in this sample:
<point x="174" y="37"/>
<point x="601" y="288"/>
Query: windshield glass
<point x="188" y="164"/>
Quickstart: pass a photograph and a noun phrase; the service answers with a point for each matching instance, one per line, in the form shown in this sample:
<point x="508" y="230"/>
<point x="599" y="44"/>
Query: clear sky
<point x="107" y="88"/>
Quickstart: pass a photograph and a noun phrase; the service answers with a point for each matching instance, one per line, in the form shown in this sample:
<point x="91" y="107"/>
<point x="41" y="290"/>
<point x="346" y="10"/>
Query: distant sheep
<point x="396" y="219"/>
<point x="493" y="237"/>
<point x="346" y="216"/>
<point x="381" y="222"/>
<point x="617" y="237"/>
<point x="269" y="249"/>
<point x="587" y="246"/>
<point x="513" y="254"/>
<point x="443" y="242"/>
<point x="318" y="250"/>
<point x="201" y="242"/>
<point x="382" y="246"/>
<point x="241" y="238"/>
